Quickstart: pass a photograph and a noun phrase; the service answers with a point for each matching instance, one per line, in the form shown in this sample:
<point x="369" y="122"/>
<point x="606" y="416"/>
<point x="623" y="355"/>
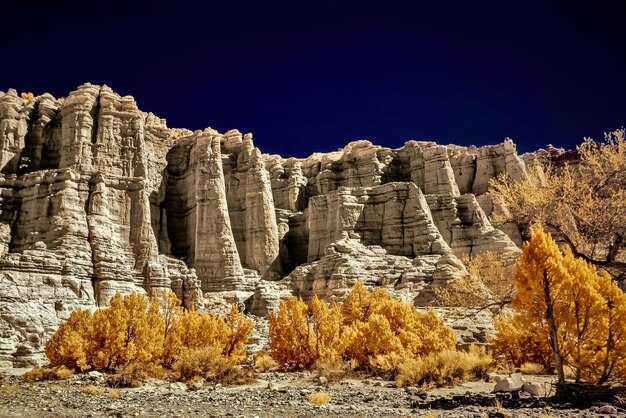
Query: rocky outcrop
<point x="76" y="224"/>
<point x="98" y="197"/>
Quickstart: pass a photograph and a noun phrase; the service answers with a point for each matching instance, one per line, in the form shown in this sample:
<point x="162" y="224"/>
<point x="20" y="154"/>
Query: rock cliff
<point x="98" y="197"/>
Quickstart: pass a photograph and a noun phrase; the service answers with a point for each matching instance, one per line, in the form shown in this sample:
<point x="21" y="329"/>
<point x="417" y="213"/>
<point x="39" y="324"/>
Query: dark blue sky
<point x="312" y="76"/>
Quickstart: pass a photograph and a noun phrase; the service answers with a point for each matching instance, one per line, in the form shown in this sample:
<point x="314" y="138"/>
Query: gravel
<point x="274" y="394"/>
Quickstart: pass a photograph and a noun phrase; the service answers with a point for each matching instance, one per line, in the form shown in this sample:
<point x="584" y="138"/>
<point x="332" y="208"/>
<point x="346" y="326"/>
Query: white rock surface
<point x="511" y="383"/>
<point x="98" y="197"/>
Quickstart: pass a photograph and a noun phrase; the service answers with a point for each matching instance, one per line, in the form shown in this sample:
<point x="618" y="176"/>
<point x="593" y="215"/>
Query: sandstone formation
<point x="97" y="197"/>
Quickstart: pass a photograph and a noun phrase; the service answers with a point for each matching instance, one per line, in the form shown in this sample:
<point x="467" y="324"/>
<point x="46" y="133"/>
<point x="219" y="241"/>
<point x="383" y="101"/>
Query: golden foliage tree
<point x="584" y="204"/>
<point x="564" y="305"/>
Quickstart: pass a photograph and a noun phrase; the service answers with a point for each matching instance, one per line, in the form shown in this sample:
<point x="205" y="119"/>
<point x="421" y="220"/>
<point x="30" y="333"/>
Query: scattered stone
<point x="532" y="388"/>
<point x="511" y="383"/>
<point x="607" y="409"/>
<point x="178" y="386"/>
<point x="95" y="375"/>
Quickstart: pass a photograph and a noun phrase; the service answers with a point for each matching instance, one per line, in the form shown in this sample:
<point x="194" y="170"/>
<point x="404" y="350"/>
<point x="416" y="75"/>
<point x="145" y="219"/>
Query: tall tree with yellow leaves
<point x="541" y="283"/>
<point x="562" y="301"/>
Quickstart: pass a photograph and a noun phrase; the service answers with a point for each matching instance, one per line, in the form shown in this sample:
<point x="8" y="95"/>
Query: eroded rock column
<point x="216" y="259"/>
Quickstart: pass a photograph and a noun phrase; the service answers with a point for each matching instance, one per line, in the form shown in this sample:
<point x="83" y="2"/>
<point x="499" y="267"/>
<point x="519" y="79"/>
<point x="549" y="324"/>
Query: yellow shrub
<point x="380" y="330"/>
<point x="300" y="335"/>
<point x="370" y="329"/>
<point x="47" y="373"/>
<point x="135" y="374"/>
<point x="114" y="394"/>
<point x="319" y="398"/>
<point x="207" y="363"/>
<point x="69" y="345"/>
<point x="27" y="96"/>
<point x="136" y="335"/>
<point x="131" y="329"/>
<point x="92" y="390"/>
<point x="264" y="362"/>
<point x="193" y="330"/>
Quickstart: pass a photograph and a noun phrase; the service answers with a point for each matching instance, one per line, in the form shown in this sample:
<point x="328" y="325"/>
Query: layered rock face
<point x="97" y="197"/>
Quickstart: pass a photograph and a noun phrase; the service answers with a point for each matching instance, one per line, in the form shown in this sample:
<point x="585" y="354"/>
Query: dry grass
<point x="319" y="398"/>
<point x="47" y="373"/>
<point x="114" y="393"/>
<point x="9" y="388"/>
<point x="238" y="376"/>
<point x="497" y="404"/>
<point x="206" y="363"/>
<point x="209" y="364"/>
<point x="334" y="371"/>
<point x="533" y="369"/>
<point x="135" y="374"/>
<point x="92" y="390"/>
<point x="264" y="362"/>
<point x="446" y="368"/>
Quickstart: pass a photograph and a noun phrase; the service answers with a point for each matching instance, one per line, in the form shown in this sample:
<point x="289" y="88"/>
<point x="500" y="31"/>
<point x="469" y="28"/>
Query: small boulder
<point x="178" y="386"/>
<point x="511" y="383"/>
<point x="532" y="388"/>
<point x="96" y="376"/>
<point x="322" y="380"/>
<point x="607" y="409"/>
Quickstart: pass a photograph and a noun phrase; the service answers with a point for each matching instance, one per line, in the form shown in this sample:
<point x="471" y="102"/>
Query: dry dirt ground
<point x="273" y="395"/>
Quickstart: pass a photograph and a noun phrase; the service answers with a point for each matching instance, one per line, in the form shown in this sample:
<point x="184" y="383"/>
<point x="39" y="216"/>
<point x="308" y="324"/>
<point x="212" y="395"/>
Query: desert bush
<point x="207" y="363"/>
<point x="534" y="369"/>
<point x="192" y="330"/>
<point x="92" y="390"/>
<point x="301" y="335"/>
<point x="319" y="398"/>
<point x="332" y="370"/>
<point x="69" y="345"/>
<point x="137" y="338"/>
<point x="369" y="331"/>
<point x="131" y="329"/>
<point x="27" y="96"/>
<point x="133" y="375"/>
<point x="47" y="373"/>
<point x="379" y="330"/>
<point x="114" y="394"/>
<point x="444" y="368"/>
<point x="263" y="362"/>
